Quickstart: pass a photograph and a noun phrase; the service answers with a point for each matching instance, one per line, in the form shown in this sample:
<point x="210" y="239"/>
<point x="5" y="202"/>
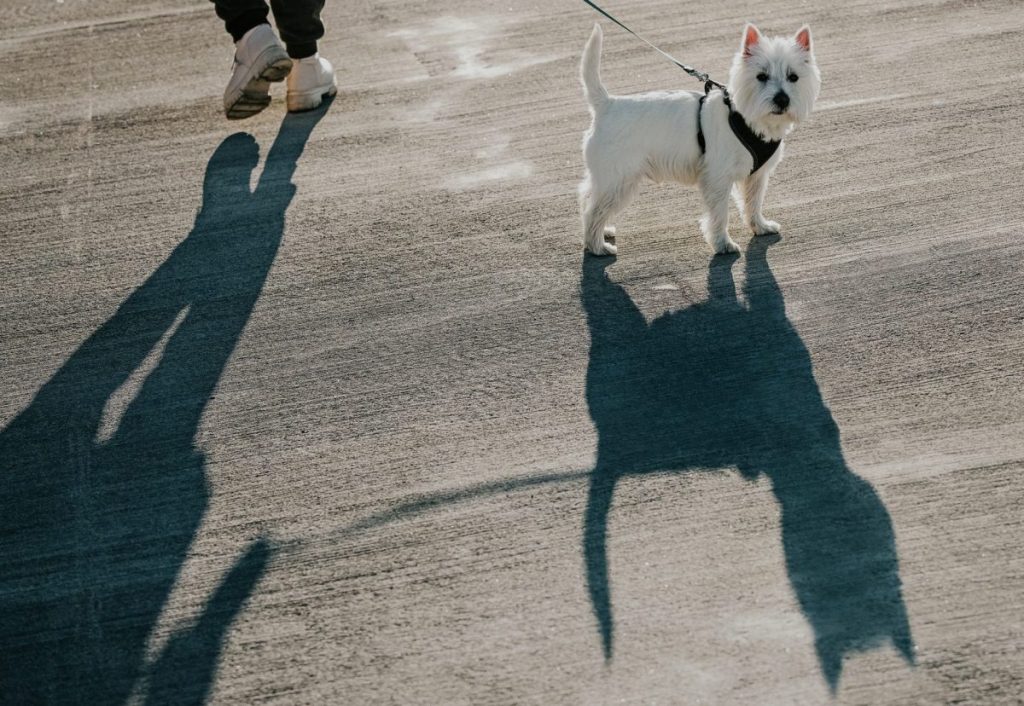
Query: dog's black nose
<point x="781" y="100"/>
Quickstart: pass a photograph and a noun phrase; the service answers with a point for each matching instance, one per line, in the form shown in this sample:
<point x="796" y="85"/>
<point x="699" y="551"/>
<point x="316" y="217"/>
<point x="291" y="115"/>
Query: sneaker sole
<point x="254" y="96"/>
<point x="309" y="100"/>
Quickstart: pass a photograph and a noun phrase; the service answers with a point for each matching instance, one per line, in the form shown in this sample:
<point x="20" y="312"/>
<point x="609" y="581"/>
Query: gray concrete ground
<point x="338" y="412"/>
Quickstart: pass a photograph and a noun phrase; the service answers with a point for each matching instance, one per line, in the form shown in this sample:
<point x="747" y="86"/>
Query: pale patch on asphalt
<point x="823" y="106"/>
<point x="500" y="172"/>
<point x="7" y="118"/>
<point x="477" y="48"/>
<point x="493" y="152"/>
<point x="426" y="113"/>
<point x="934" y="456"/>
<point x="468" y="40"/>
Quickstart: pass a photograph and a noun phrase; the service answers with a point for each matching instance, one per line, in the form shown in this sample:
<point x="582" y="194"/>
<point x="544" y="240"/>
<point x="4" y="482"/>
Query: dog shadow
<point x="725" y="384"/>
<point x="95" y="527"/>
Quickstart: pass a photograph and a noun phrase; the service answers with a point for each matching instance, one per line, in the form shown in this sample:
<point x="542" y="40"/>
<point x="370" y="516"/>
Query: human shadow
<point x="96" y="523"/>
<point x="725" y="384"/>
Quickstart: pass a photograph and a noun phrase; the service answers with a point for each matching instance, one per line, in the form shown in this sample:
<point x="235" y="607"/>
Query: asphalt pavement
<point x="332" y="409"/>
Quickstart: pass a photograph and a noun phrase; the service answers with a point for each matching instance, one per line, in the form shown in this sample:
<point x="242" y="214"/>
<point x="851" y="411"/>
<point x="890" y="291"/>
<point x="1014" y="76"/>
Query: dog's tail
<point x="590" y="70"/>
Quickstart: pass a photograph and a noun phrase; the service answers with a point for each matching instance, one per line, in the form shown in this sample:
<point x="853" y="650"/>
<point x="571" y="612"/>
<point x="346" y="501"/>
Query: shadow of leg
<point x="595" y="553"/>
<point x="184" y="672"/>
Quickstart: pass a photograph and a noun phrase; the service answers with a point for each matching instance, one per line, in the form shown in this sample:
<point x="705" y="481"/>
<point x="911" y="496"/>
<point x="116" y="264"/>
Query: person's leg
<point x="240" y="16"/>
<point x="298" y="22"/>
<point x="259" y="57"/>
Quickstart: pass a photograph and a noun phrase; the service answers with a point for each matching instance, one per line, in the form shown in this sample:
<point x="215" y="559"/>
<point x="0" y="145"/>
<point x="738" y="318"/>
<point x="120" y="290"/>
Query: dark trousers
<point x="298" y="21"/>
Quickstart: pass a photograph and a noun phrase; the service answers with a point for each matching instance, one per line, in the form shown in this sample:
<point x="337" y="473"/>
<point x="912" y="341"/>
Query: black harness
<point x="760" y="149"/>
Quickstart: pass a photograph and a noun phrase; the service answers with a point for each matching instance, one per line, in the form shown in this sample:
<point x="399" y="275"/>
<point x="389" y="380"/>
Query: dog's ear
<point x="803" y="38"/>
<point x="751" y="36"/>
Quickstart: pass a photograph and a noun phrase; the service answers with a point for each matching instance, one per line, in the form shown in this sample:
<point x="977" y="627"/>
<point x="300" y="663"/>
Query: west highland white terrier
<point x="691" y="138"/>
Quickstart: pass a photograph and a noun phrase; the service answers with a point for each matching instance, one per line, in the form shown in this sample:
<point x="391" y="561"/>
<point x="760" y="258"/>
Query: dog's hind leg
<point x="598" y="206"/>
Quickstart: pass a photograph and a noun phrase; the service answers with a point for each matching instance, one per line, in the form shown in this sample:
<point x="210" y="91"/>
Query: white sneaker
<point x="312" y="79"/>
<point x="259" y="59"/>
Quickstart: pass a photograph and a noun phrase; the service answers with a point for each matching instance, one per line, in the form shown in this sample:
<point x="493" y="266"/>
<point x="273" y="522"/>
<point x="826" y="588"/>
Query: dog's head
<point x="774" y="81"/>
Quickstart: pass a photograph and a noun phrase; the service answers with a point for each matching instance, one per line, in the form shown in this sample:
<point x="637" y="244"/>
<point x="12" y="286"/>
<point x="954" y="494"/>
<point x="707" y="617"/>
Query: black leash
<point x="708" y="82"/>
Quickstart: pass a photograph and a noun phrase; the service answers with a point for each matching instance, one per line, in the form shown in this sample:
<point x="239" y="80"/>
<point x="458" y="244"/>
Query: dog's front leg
<point x="753" y="189"/>
<point x="715" y="189"/>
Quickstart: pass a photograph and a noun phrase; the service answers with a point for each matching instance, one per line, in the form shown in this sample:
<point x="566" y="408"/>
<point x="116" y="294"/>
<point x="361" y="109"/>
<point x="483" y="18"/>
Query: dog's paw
<point x="723" y="247"/>
<point x="602" y="249"/>
<point x="766" y="228"/>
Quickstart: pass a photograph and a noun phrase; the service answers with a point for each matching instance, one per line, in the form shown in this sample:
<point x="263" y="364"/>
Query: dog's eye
<point x="762" y="77"/>
<point x="793" y="78"/>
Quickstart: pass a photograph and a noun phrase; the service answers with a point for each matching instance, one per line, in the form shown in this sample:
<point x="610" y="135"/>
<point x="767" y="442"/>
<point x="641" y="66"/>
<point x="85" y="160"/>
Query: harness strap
<point x="760" y="150"/>
<point x="700" y="128"/>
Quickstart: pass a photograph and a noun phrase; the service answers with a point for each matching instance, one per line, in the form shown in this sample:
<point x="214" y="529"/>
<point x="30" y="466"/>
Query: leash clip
<point x="710" y="85"/>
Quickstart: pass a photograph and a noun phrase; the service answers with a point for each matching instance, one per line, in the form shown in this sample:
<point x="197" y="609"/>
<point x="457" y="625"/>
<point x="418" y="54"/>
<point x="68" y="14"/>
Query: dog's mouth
<point x="778" y="111"/>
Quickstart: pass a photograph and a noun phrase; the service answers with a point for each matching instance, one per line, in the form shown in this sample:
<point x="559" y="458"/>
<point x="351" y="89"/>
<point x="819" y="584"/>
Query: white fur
<point x="654" y="136"/>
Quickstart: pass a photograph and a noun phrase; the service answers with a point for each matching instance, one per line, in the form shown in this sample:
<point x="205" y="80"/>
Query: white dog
<point x="691" y="138"/>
